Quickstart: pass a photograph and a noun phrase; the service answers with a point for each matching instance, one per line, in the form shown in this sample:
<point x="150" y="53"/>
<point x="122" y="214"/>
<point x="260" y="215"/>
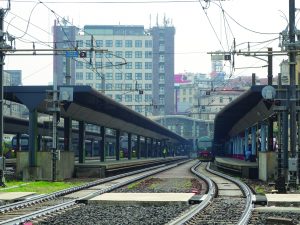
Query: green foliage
<point x="40" y="187"/>
<point x="133" y="185"/>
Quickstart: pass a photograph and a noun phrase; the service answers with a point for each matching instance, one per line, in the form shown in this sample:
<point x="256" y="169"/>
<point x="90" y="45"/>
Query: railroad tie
<point x="279" y="221"/>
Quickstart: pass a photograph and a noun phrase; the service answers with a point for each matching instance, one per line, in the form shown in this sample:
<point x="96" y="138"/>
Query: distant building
<point x="163" y="69"/>
<point x="64" y="37"/>
<point x="136" y="68"/>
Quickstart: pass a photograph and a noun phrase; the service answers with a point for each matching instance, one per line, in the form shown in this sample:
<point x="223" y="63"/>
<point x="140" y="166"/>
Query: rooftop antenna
<point x="150" y="22"/>
<point x="157" y="19"/>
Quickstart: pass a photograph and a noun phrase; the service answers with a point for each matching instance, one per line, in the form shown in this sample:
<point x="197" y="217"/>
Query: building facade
<point x="163" y="69"/>
<point x="135" y="67"/>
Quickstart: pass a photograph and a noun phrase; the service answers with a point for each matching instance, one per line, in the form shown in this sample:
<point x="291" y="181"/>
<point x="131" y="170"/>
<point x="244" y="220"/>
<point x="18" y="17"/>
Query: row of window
<point x="126" y="54"/>
<point x="119" y="86"/>
<point x="118" y="65"/>
<point x="115" y="43"/>
<point x="111" y="76"/>
<point x="133" y="98"/>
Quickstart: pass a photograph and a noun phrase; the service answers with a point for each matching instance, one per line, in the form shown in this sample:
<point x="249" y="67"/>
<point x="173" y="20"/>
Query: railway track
<point x="227" y="202"/>
<point x="39" y="206"/>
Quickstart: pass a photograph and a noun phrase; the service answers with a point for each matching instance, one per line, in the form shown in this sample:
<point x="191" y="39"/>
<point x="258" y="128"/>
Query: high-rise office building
<point x="63" y="38"/>
<point x="163" y="69"/>
<point x="136" y="67"/>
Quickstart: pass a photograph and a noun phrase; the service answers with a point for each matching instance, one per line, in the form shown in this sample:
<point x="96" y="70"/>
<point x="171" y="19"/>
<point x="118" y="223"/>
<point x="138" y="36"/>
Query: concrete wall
<point x="43" y="170"/>
<point x="267" y="162"/>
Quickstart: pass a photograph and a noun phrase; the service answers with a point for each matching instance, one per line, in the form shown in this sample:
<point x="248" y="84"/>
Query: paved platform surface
<point x="236" y="162"/>
<point x="283" y="200"/>
<point x="13" y="196"/>
<point x="142" y="198"/>
<point x="278" y="209"/>
<point x="112" y="163"/>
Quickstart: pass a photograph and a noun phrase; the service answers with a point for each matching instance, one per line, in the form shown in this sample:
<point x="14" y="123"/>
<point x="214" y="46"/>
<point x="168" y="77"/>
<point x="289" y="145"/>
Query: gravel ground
<point x="117" y="215"/>
<point x="259" y="218"/>
<point x="177" y="180"/>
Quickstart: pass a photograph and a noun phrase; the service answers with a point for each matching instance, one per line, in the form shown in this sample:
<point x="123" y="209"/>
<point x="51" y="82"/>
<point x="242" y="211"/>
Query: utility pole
<point x="293" y="170"/>
<point x="270" y="81"/>
<point x="3" y="46"/>
<point x="2" y="55"/>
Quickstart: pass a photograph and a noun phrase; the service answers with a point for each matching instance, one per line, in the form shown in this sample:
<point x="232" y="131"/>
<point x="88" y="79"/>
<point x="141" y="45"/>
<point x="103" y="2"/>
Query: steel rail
<point x="206" y="201"/>
<point x="247" y="192"/>
<point x="46" y="211"/>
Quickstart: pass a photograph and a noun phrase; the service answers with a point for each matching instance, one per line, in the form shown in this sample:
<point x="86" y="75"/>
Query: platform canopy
<point x="91" y="106"/>
<point x="245" y="111"/>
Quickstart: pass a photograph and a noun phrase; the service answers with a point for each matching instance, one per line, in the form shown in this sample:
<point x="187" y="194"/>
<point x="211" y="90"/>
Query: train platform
<point x="244" y="168"/>
<point x="142" y="198"/>
<point x="15" y="196"/>
<point x="278" y="200"/>
<point x="95" y="168"/>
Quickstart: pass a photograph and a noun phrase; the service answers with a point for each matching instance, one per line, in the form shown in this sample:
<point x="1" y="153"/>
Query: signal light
<point x="82" y="54"/>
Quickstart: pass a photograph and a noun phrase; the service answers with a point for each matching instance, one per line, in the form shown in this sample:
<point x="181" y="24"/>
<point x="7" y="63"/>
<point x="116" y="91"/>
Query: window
<point x="79" y="65"/>
<point x="98" y="86"/>
<point x="108" y="55"/>
<point x="139" y="86"/>
<point x="99" y="76"/>
<point x="138" y="43"/>
<point x="138" y="65"/>
<point x="184" y="91"/>
<point x="128" y="43"/>
<point x="138" y="108"/>
<point x="138" y="76"/>
<point x="128" y="54"/>
<point x="148" y="98"/>
<point x="138" y="98"/>
<point x="80" y="43"/>
<point x="148" y="87"/>
<point x="148" y="76"/>
<point x="119" y="53"/>
<point x="148" y="43"/>
<point x="79" y="84"/>
<point x="99" y="43"/>
<point x="119" y="65"/>
<point x="119" y="43"/>
<point x="108" y="65"/>
<point x="221" y="99"/>
<point x="108" y="76"/>
<point x="108" y="43"/>
<point x="128" y="76"/>
<point x="148" y="65"/>
<point x="128" y="98"/>
<point x="118" y="76"/>
<point x="99" y="55"/>
<point x="79" y="76"/>
<point x="138" y="54"/>
<point x="98" y="64"/>
<point x="89" y="76"/>
<point x="118" y="86"/>
<point x="148" y="54"/>
<point x="128" y="87"/>
<point x="230" y="99"/>
<point x="108" y="86"/>
<point x="128" y="65"/>
<point x="90" y="84"/>
<point x="88" y="66"/>
<point x="87" y="43"/>
<point x="118" y="98"/>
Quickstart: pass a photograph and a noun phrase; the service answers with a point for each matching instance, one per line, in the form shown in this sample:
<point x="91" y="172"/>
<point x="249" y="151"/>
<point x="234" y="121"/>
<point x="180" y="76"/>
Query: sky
<point x="201" y="27"/>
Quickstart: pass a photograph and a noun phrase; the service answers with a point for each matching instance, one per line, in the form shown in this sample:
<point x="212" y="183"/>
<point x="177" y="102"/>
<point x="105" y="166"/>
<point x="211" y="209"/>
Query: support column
<point x="146" y="147"/>
<point x="81" y="142"/>
<point x="32" y="138"/>
<point x="246" y="141"/>
<point x="117" y="144"/>
<point x="253" y="140"/>
<point x="129" y="146"/>
<point x="67" y="134"/>
<point x="151" y="148"/>
<point x="263" y="137"/>
<point x="102" y="144"/>
<point x="285" y="137"/>
<point x="138" y="149"/>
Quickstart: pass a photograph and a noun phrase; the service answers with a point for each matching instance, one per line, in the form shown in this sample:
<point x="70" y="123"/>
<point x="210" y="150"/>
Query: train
<point x="204" y="149"/>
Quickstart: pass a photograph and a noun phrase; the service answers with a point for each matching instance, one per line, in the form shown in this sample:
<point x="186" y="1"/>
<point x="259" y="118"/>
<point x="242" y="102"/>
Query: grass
<point x="40" y="187"/>
<point x="133" y="185"/>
